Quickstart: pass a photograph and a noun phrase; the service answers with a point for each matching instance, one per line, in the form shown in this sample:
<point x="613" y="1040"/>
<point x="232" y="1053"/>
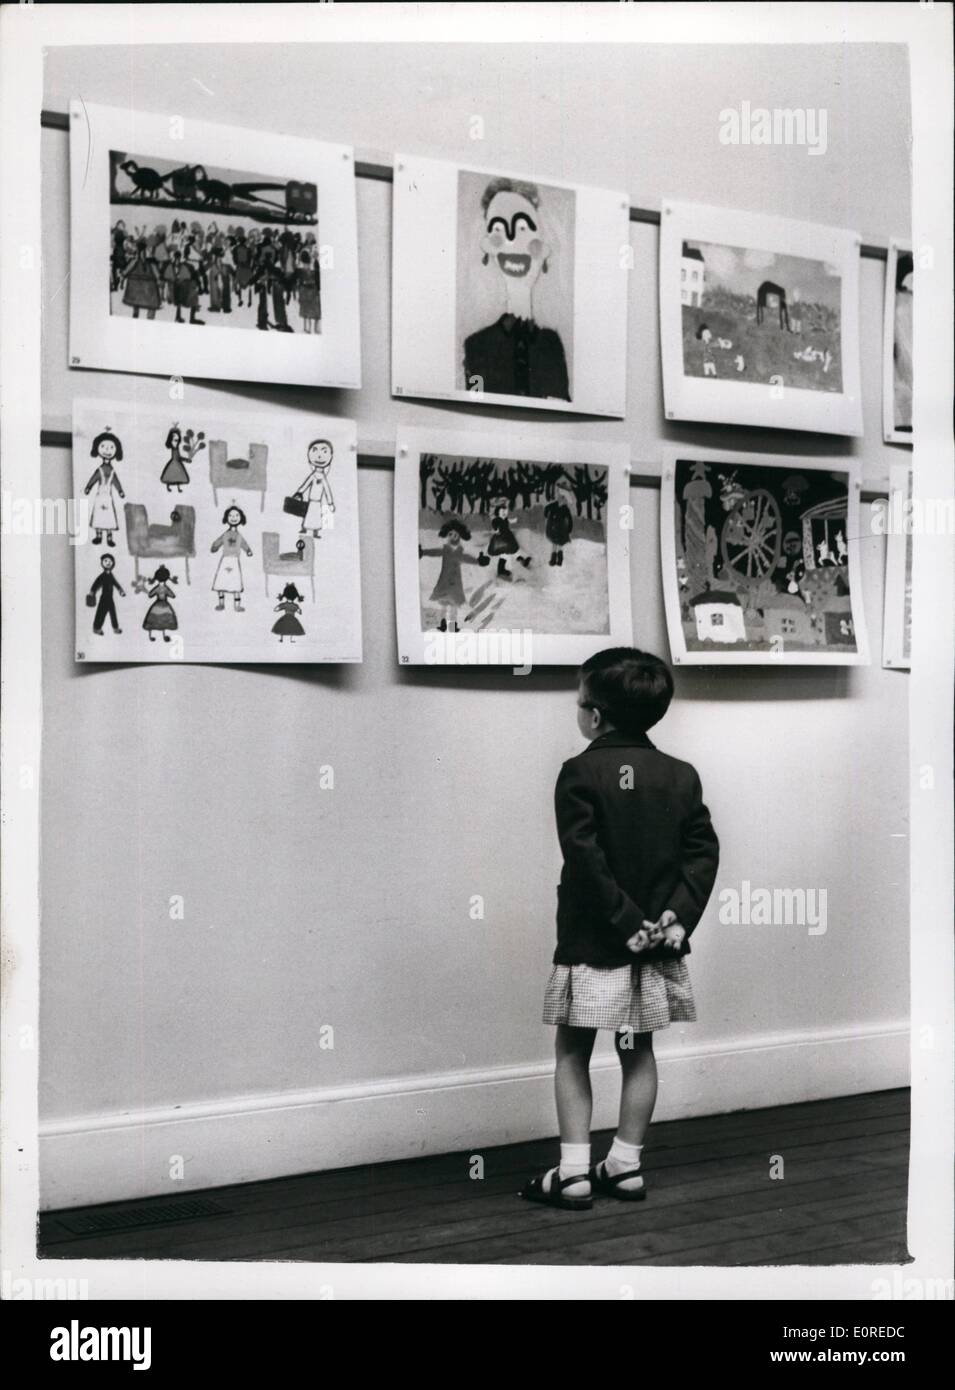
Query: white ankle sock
<point x="574" y="1162"/>
<point x="621" y="1158"/>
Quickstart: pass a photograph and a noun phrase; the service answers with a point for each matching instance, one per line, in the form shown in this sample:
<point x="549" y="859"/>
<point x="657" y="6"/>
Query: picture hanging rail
<point x="384" y="173"/>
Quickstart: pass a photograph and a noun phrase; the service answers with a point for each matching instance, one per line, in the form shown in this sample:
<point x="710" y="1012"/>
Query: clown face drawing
<point x="515" y="355"/>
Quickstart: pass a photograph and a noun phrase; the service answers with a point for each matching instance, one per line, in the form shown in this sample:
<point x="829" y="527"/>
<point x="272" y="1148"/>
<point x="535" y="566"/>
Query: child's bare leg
<point x="638" y="1095"/>
<point x="574" y="1098"/>
<point x="572" y="1082"/>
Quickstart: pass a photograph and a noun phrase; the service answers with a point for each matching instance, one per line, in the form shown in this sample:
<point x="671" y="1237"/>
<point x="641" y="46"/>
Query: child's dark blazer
<point x="637" y="839"/>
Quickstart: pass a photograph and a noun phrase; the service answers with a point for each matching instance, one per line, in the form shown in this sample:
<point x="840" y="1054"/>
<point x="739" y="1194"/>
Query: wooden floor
<point x="711" y="1201"/>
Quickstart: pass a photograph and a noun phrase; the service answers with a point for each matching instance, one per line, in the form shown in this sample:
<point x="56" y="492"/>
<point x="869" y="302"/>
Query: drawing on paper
<point x="193" y="244"/>
<point x="188" y="574"/>
<point x="512" y="544"/>
<point x="515" y="286"/>
<point x="759" y="316"/>
<point x="762" y="558"/>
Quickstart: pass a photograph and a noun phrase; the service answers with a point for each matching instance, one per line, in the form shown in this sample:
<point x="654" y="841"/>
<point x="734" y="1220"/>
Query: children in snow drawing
<point x="288" y="605"/>
<point x="103" y="589"/>
<point x="558" y="526"/>
<point x="232" y="543"/>
<point x="103" y="519"/>
<point x="160" y="616"/>
<point x="449" y="590"/>
<point x="316" y="490"/>
<point x="182" y="450"/>
<point x="503" y="541"/>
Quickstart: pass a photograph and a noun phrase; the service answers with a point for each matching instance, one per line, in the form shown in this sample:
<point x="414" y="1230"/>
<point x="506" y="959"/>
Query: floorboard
<point x="712" y="1201"/>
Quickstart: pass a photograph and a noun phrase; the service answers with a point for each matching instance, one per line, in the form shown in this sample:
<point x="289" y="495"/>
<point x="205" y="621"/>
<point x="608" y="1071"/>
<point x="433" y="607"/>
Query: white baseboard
<point x="114" y="1157"/>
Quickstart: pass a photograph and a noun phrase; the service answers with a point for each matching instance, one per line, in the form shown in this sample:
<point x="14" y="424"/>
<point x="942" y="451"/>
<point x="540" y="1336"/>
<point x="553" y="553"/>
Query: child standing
<point x="640" y="859"/>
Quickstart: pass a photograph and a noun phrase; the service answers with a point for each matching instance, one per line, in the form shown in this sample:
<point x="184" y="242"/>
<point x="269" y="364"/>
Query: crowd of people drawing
<point x="200" y="270"/>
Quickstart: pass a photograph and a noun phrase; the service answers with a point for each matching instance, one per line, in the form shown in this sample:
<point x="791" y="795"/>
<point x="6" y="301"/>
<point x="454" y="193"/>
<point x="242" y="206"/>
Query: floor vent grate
<point x="129" y="1218"/>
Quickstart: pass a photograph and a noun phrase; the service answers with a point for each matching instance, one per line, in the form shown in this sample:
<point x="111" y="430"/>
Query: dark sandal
<point x="533" y="1191"/>
<point x="609" y="1184"/>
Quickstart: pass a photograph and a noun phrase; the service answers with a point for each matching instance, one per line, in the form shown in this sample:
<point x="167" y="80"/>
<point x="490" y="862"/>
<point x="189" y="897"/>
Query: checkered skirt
<point x="644" y="996"/>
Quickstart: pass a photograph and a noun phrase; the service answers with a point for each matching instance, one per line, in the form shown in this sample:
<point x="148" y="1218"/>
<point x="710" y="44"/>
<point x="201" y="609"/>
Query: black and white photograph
<point x="477" y="672"/>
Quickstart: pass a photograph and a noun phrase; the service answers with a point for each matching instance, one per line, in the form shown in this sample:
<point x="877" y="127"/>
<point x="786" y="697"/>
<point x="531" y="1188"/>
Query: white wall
<point x="350" y="907"/>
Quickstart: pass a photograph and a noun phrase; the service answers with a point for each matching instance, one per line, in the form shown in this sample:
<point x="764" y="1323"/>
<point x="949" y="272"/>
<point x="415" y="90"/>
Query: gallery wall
<point x="327" y="995"/>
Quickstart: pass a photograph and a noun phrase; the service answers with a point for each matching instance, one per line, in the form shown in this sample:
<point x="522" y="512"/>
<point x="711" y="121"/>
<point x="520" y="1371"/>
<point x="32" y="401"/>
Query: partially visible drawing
<point x="897" y="344"/>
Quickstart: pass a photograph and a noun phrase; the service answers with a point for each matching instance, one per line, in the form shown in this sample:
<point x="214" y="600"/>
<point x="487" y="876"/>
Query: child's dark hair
<point x="454" y="525"/>
<point x="632" y="688"/>
<point x="233" y="508"/>
<point x="290" y="592"/>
